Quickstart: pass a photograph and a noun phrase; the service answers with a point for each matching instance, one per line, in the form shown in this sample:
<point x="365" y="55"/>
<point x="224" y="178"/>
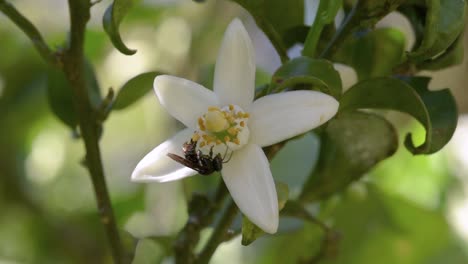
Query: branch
<point x="201" y="214"/>
<point x="31" y="31"/>
<point x="73" y="62"/>
<point x="219" y="233"/>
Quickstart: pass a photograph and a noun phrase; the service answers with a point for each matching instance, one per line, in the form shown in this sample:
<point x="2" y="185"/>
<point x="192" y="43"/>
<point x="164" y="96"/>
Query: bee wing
<point x="183" y="161"/>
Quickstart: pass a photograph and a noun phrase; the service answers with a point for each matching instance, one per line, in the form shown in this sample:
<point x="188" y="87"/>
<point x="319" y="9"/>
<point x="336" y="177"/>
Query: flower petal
<point x="183" y="99"/>
<point x="248" y="177"/>
<point x="156" y="166"/>
<point x="277" y="117"/>
<point x="234" y="76"/>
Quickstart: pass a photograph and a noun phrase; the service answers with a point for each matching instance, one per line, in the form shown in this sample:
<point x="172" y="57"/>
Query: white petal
<point x="348" y="75"/>
<point x="248" y="177"/>
<point x="234" y="77"/>
<point x="277" y="117"/>
<point x="183" y="99"/>
<point x="156" y="166"/>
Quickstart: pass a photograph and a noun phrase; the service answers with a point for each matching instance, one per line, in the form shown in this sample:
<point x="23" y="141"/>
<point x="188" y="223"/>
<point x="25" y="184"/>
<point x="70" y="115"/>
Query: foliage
<point x="42" y="187"/>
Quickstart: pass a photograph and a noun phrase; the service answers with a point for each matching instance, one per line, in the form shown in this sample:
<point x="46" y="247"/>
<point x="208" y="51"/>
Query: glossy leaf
<point x="443" y="25"/>
<point x="111" y="21"/>
<point x="250" y="232"/>
<point x="306" y="73"/>
<point x="351" y="145"/>
<point x="134" y="89"/>
<point x="373" y="53"/>
<point x="452" y="56"/>
<point x="435" y="110"/>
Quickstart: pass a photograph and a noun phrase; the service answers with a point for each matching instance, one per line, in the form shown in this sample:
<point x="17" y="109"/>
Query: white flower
<point x="229" y="121"/>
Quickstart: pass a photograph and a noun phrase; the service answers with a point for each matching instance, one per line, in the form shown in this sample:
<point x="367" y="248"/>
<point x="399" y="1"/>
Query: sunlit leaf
<point x="374" y="53"/>
<point x="351" y="145"/>
<point x="134" y="89"/>
<point x="306" y="73"/>
<point x="436" y="110"/>
<point x="111" y="21"/>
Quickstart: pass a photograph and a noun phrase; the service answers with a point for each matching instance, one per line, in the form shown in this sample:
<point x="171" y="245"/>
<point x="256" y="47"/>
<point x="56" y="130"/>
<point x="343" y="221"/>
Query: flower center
<point x="222" y="129"/>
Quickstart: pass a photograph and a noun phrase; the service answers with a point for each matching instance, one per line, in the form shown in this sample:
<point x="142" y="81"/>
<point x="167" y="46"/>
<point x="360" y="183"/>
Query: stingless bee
<point x="196" y="160"/>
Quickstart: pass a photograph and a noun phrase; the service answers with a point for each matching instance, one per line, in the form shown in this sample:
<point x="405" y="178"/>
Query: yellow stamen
<point x="218" y="142"/>
<point x="202" y="144"/>
<point x="236" y="140"/>
<point x="242" y="124"/>
<point x="195" y="137"/>
<point x="213" y="108"/>
<point x="231" y="107"/>
<point x="246" y="115"/>
<point x="232" y="131"/>
<point x="227" y="139"/>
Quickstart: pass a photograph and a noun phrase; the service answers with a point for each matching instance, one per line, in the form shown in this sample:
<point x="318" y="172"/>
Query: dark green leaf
<point x="444" y="24"/>
<point x="373" y="54"/>
<point x="111" y="21"/>
<point x="281" y="15"/>
<point x="134" y="89"/>
<point x="60" y="98"/>
<point x="452" y="56"/>
<point x="60" y="94"/>
<point x="250" y="232"/>
<point x="306" y="73"/>
<point x="435" y="110"/>
<point x="351" y="145"/>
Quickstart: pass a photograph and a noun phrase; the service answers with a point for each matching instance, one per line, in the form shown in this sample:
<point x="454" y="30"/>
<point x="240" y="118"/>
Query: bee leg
<point x="211" y="152"/>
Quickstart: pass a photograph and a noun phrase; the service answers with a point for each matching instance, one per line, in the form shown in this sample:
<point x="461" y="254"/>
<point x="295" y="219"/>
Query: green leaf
<point x="250" y="232"/>
<point x="60" y="94"/>
<point x="111" y="21"/>
<point x="281" y="15"/>
<point x="445" y="20"/>
<point x="60" y="98"/>
<point x="373" y="54"/>
<point x="351" y="145"/>
<point x="436" y="110"/>
<point x="306" y="73"/>
<point x="134" y="89"/>
<point x="452" y="56"/>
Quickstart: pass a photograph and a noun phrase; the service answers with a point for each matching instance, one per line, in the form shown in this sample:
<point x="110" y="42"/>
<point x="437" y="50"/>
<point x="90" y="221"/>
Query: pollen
<point x="232" y="131"/>
<point x="221" y="129"/>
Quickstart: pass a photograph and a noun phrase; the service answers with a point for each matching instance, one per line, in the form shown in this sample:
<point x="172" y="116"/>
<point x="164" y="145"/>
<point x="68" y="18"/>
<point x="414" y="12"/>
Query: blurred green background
<point x="407" y="210"/>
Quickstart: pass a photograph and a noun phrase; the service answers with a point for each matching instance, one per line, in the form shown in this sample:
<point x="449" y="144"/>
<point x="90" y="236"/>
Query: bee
<point x="196" y="160"/>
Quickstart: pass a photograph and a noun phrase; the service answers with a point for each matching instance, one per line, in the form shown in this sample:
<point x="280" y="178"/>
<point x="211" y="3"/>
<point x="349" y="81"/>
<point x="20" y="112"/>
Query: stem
<point x="313" y="36"/>
<point x="30" y="30"/>
<point x="219" y="233"/>
<point x="73" y="59"/>
<point x="201" y="215"/>
<point x="346" y="28"/>
<point x="266" y="27"/>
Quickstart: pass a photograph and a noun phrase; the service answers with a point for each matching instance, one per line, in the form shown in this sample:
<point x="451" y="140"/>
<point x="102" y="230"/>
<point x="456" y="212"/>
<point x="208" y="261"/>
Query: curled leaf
<point x="111" y="21"/>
